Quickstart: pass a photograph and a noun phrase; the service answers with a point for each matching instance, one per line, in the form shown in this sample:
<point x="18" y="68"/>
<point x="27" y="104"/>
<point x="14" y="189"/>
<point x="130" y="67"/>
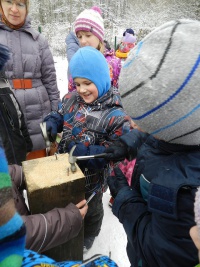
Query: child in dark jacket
<point x="13" y="130"/>
<point x="91" y="118"/>
<point x="163" y="99"/>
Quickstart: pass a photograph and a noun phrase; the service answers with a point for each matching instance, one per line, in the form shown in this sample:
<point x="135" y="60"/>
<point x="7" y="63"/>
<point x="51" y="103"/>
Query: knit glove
<point x="116" y="182"/>
<point x="80" y="150"/>
<point x="54" y="125"/>
<point x="117" y="152"/>
<point x="51" y="130"/>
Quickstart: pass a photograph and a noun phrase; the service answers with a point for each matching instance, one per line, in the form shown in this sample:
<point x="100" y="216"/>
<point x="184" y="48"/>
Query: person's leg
<point x="93" y="219"/>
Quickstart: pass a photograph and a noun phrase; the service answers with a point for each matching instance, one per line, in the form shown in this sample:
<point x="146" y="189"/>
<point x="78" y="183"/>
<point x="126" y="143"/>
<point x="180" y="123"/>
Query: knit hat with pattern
<point x="160" y="81"/>
<point x="90" y="64"/>
<point x="91" y="20"/>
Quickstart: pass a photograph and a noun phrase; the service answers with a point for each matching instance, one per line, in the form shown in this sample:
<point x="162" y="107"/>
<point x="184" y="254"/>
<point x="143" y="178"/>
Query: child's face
<point x="87" y="39"/>
<point x="86" y="89"/>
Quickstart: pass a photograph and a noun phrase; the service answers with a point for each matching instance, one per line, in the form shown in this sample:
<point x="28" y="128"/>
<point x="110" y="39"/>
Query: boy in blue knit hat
<point x="12" y="227"/>
<point x="92" y="118"/>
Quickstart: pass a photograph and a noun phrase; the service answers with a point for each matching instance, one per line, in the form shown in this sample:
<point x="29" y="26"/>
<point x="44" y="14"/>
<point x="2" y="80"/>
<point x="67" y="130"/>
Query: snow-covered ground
<point x="112" y="238"/>
<point x="61" y="66"/>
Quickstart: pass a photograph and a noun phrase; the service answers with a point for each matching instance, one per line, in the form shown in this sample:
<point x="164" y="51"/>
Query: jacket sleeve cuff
<point x="123" y="196"/>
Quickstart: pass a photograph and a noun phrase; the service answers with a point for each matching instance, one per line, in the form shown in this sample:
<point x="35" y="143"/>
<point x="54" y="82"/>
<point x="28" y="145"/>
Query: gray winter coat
<point x="31" y="58"/>
<point x="44" y="231"/>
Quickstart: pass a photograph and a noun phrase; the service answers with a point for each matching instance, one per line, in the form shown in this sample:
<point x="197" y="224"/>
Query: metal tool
<point x="73" y="159"/>
<point x="90" y="198"/>
<point x="46" y="138"/>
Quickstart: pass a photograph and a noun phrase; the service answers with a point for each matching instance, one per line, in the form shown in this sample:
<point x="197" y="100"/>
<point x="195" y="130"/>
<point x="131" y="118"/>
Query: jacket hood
<point x="89" y="63"/>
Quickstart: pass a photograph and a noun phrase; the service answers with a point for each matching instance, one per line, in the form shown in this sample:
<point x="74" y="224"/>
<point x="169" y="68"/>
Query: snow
<point x="112" y="238"/>
<point x="61" y="66"/>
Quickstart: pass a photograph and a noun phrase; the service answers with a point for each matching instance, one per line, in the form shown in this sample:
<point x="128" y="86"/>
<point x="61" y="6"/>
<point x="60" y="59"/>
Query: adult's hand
<point x="83" y="209"/>
<point x="116" y="182"/>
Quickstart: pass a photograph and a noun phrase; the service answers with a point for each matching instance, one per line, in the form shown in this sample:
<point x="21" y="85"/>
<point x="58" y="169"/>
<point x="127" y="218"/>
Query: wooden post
<point x="115" y="43"/>
<point x="39" y="28"/>
<point x="50" y="183"/>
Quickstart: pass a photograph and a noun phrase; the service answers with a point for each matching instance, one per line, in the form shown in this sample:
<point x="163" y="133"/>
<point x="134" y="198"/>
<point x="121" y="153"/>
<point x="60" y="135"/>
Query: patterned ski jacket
<point x="91" y="126"/>
<point x="114" y="64"/>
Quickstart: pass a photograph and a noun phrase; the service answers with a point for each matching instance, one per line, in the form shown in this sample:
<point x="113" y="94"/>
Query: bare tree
<point x="56" y="17"/>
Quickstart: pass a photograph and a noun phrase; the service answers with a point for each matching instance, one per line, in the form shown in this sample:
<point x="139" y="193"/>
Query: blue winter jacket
<point x="72" y="45"/>
<point x="157" y="210"/>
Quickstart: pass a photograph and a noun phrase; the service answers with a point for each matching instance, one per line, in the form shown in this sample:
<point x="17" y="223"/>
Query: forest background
<point x="55" y="18"/>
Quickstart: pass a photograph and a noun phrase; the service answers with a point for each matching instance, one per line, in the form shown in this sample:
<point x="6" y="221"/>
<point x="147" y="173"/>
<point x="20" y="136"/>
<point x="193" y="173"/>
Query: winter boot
<point x="110" y="203"/>
<point x="88" y="242"/>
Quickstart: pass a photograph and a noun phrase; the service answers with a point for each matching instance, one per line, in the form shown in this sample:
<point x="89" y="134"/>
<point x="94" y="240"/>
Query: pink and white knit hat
<point x="91" y="20"/>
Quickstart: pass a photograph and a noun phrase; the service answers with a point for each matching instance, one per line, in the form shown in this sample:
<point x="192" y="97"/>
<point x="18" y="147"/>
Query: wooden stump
<point x="50" y="183"/>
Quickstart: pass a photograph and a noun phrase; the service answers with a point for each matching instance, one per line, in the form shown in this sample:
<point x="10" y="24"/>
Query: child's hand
<point x="54" y="124"/>
<point x="117" y="182"/>
<point x="80" y="150"/>
<point x="51" y="128"/>
<point x="117" y="152"/>
<point x="82" y="208"/>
